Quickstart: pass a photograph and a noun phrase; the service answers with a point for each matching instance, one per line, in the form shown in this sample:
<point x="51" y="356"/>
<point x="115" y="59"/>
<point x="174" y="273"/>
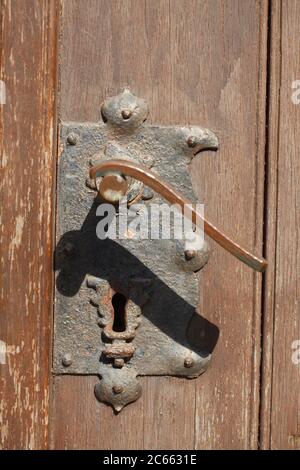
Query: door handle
<point x="115" y="187"/>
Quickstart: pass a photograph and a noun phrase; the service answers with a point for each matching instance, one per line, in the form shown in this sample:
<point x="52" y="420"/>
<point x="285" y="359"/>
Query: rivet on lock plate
<point x="126" y="262"/>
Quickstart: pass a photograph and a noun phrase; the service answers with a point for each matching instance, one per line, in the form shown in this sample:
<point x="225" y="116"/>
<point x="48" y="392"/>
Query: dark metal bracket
<point x="151" y="284"/>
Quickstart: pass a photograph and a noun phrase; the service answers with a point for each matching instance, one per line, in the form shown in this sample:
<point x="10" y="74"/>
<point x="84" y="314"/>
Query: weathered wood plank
<point x="28" y="68"/>
<point x="197" y="62"/>
<point x="131" y="32"/>
<point x="281" y="378"/>
<point x="230" y="95"/>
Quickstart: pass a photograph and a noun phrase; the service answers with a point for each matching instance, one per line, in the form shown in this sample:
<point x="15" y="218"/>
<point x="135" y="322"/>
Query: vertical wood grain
<point x="231" y="184"/>
<point x="28" y="68"/>
<point x="281" y="378"/>
<point x="270" y="220"/>
<point x="80" y="421"/>
<point x="196" y="62"/>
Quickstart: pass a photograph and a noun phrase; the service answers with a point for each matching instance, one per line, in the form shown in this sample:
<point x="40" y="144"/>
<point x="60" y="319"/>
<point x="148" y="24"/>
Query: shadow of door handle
<point x="112" y="182"/>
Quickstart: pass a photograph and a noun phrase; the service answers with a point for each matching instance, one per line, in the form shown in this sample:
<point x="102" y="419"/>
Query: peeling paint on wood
<point x="28" y="68"/>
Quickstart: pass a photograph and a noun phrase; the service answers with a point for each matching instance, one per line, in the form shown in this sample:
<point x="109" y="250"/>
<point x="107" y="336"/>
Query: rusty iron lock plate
<point x="125" y="307"/>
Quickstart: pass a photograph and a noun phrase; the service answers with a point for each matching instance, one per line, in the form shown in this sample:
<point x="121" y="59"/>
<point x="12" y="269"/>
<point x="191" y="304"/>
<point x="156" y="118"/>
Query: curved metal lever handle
<point x="173" y="197"/>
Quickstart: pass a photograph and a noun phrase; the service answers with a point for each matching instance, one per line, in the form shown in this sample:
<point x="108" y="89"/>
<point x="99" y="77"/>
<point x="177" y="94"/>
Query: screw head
<point x="188" y="362"/>
<point x="67" y="360"/>
<point x="119" y="362"/>
<point x="147" y="194"/>
<point x="126" y="113"/>
<point x="189" y="254"/>
<point x="72" y="138"/>
<point x="118" y="389"/>
<point x="191" y="141"/>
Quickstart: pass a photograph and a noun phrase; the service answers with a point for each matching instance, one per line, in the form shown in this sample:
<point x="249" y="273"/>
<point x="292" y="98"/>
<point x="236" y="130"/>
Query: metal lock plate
<point x="150" y="282"/>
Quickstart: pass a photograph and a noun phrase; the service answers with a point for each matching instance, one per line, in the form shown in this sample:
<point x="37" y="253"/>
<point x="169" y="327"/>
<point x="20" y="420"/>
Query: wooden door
<point x="226" y="65"/>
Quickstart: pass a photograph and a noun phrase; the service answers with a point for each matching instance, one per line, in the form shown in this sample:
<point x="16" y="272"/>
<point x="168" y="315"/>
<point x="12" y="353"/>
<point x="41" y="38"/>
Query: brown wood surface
<point x="281" y="379"/>
<point x="195" y="61"/>
<point x="200" y="62"/>
<point x="28" y="58"/>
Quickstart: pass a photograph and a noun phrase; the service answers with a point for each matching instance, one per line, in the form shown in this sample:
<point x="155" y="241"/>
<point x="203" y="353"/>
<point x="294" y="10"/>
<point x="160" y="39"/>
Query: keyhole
<point x="119" y="303"/>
